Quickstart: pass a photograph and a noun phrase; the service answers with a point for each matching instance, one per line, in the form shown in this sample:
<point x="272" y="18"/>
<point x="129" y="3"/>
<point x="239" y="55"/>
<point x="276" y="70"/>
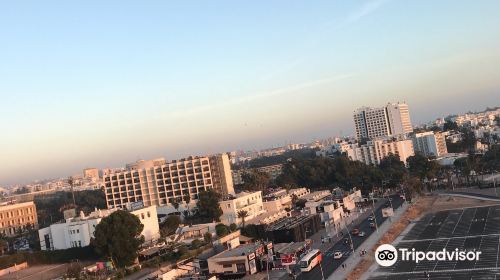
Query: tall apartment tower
<point x="220" y="166"/>
<point x="161" y="183"/>
<point x="392" y="119"/>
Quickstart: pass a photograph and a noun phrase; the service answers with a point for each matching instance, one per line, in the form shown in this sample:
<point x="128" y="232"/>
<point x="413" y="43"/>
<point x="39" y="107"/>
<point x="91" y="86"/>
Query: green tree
<point x="413" y="186"/>
<point x="450" y="125"/>
<point x="118" y="236"/>
<point x="221" y="230"/>
<point x="208" y="205"/>
<point x="242" y="214"/>
<point x="233" y="227"/>
<point x="207" y="237"/>
<point x="422" y="167"/>
<point x="170" y="226"/>
<point x="393" y="169"/>
<point x="255" y="180"/>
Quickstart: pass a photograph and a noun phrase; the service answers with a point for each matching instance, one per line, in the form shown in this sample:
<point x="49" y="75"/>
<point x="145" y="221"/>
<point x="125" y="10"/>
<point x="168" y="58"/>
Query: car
<point x="371" y="218"/>
<point x="355" y="231"/>
<point x="337" y="255"/>
<point x="346" y="241"/>
<point x="361" y="234"/>
<point x="372" y="225"/>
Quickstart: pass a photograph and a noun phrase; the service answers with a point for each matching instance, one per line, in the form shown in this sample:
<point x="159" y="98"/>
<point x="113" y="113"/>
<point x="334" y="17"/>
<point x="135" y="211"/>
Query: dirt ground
<point x="424" y="205"/>
<point x="38" y="272"/>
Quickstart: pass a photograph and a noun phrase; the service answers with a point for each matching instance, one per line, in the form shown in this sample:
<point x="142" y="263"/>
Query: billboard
<point x="288" y="259"/>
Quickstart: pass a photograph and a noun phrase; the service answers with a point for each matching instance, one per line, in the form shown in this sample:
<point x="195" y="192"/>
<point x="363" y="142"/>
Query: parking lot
<point x="466" y="229"/>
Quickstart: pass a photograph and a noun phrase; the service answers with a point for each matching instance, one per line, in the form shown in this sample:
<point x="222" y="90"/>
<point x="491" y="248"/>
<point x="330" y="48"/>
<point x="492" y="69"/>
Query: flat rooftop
<point x="242" y="250"/>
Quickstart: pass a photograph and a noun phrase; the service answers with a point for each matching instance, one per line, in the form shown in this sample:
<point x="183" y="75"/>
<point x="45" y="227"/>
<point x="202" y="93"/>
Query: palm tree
<point x="71" y="182"/>
<point x="242" y="214"/>
<point x="187" y="199"/>
<point x="176" y="205"/>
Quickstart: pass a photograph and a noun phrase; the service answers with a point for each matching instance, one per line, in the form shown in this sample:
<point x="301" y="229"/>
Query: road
<point x="328" y="263"/>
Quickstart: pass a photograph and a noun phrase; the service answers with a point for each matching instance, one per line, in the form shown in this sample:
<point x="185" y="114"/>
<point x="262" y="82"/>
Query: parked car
<point x="371" y="218"/>
<point x="355" y="231"/>
<point x="361" y="234"/>
<point x="372" y="225"/>
<point x="337" y="255"/>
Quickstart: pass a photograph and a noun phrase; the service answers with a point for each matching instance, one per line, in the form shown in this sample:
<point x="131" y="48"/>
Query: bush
<point x="221" y="230"/>
<point x="233" y="227"/>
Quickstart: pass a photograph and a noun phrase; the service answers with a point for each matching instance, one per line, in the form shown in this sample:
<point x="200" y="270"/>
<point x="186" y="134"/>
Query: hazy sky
<point x="102" y="83"/>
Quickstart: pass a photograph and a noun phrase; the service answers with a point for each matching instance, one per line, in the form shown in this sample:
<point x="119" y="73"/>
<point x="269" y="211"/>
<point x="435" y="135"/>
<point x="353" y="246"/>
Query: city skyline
<point x="102" y="84"/>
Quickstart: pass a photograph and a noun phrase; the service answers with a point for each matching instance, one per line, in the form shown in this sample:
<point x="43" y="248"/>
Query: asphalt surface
<point x="468" y="229"/>
<point x="329" y="264"/>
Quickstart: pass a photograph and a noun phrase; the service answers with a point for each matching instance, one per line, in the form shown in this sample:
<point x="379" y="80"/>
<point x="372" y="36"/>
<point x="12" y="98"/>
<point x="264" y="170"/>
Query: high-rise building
<point x="17" y="216"/>
<point x="220" y="166"/>
<point x="429" y="143"/>
<point x="392" y="119"/>
<point x="161" y="183"/>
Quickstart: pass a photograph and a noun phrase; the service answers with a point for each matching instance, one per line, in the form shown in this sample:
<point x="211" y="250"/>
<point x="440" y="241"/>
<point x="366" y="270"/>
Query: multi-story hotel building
<point x="430" y="143"/>
<point x="392" y="119"/>
<point x="161" y="183"/>
<point x="16" y="216"/>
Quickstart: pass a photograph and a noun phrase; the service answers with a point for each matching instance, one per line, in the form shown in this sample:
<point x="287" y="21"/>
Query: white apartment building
<point x="78" y="231"/>
<point x="392" y="119"/>
<point x="161" y="183"/>
<point x="374" y="151"/>
<point x="250" y="202"/>
<point x="429" y="143"/>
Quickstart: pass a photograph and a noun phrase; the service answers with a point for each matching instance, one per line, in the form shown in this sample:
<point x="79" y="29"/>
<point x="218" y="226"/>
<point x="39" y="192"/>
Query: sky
<point x="103" y="83"/>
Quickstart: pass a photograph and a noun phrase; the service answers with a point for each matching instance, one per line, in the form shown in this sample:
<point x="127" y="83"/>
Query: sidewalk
<point x="355" y="258"/>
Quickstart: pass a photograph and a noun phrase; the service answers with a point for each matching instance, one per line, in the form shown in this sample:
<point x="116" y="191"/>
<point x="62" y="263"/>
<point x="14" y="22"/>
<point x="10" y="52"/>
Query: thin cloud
<point x="295" y="89"/>
<point x="367" y="9"/>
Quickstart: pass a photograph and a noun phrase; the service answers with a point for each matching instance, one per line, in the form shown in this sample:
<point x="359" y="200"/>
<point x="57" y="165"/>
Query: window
<point x="149" y="215"/>
<point x="142" y="216"/>
<point x="79" y="243"/>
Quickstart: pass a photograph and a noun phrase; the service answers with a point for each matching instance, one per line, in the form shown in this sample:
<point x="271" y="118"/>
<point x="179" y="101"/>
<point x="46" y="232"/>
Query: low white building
<point x="78" y="231"/>
<point x="316" y="196"/>
<point x="249" y="202"/>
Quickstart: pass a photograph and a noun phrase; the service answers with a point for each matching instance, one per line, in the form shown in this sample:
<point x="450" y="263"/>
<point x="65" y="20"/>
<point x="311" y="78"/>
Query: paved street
<point x="329" y="265"/>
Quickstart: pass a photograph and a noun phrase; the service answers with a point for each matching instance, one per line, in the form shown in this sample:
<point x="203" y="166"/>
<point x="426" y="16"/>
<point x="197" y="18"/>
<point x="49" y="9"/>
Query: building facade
<point x="392" y="119"/>
<point x="78" y="231"/>
<point x="374" y="151"/>
<point x="15" y="217"/>
<point x="221" y="172"/>
<point x="250" y="202"/>
<point x="429" y="144"/>
<point x="161" y="183"/>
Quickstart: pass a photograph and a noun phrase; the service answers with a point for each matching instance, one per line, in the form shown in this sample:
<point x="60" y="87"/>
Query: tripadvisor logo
<point x="387" y="255"/>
